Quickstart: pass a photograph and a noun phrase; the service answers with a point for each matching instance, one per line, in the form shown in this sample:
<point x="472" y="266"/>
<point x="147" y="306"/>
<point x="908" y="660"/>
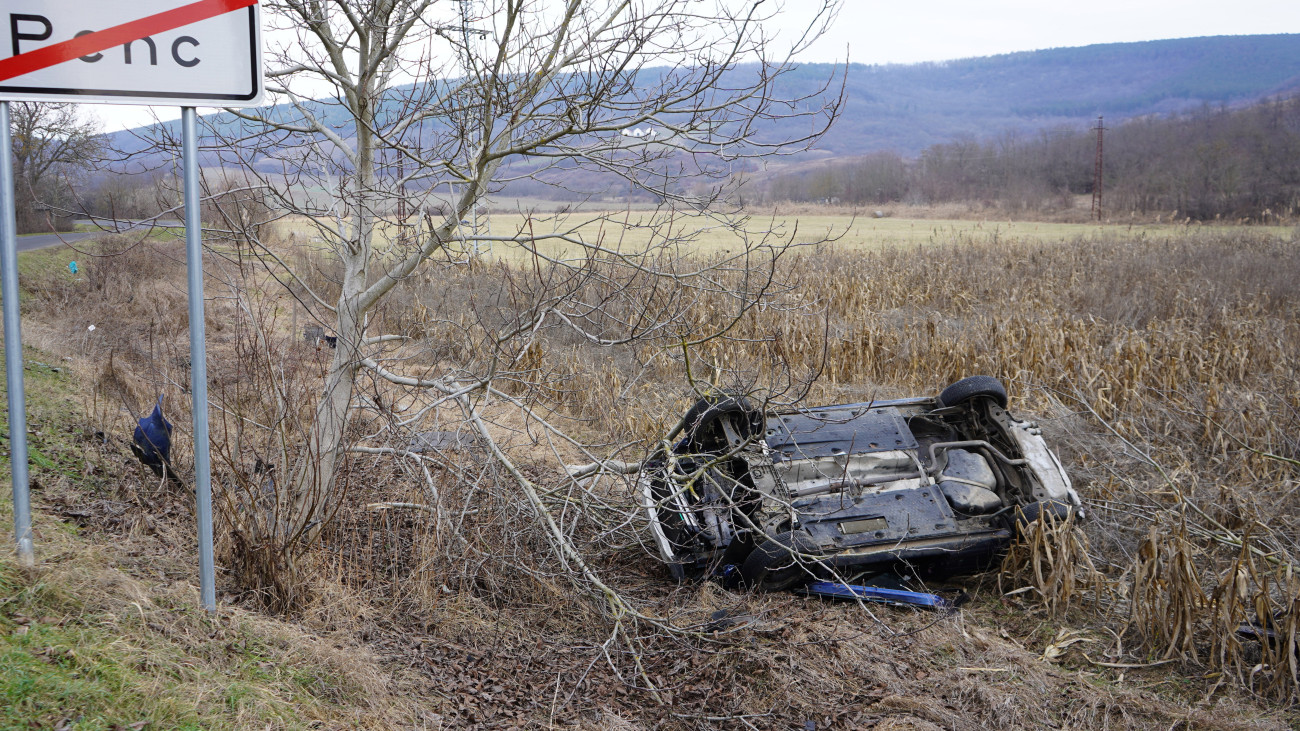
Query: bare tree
<point x="398" y="119"/>
<point x="49" y="141"/>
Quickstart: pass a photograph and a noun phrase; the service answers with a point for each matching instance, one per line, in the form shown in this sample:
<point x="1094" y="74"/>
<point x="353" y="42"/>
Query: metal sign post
<point x="198" y="356"/>
<point x="14" y="350"/>
<point x="182" y="52"/>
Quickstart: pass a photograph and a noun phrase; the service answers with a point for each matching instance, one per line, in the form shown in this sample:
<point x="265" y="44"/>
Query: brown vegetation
<point x="1164" y="369"/>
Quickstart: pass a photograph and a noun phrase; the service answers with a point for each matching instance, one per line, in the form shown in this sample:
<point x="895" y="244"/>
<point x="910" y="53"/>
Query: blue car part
<point x="834" y="590"/>
<point x="152" y="442"/>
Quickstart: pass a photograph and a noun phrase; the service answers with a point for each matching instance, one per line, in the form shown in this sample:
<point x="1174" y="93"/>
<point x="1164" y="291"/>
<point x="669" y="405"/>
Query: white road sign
<point x="165" y="52"/>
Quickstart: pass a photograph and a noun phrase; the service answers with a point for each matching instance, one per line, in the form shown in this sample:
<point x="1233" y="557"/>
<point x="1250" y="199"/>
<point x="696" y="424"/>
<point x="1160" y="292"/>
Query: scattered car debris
<point x="936" y="486"/>
<point x="1268" y="630"/>
<point x="315" y="334"/>
<point x="437" y="441"/>
<point x="46" y="366"/>
<point x="152" y="443"/>
<point x="725" y="619"/>
<point x="901" y="597"/>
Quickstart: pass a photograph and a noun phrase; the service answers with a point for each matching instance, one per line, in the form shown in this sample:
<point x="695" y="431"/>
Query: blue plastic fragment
<point x="833" y="590"/>
<point x="72" y="267"/>
<point x="152" y="440"/>
<point x="730" y="576"/>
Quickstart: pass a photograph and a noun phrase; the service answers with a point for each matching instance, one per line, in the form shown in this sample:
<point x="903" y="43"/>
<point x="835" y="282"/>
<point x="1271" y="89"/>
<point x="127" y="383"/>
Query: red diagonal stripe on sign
<point x="92" y="43"/>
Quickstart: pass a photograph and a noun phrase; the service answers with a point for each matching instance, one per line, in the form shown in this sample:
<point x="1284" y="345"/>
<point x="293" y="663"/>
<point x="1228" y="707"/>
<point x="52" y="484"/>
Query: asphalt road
<point x="40" y="241"/>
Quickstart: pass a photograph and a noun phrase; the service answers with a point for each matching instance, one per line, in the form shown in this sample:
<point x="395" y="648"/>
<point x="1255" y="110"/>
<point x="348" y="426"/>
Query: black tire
<point x="773" y="565"/>
<point x="1027" y="515"/>
<point x="701" y="430"/>
<point x="974" y="387"/>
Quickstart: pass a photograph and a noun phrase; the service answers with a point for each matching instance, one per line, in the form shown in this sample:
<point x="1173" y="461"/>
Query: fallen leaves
<point x="1056" y="649"/>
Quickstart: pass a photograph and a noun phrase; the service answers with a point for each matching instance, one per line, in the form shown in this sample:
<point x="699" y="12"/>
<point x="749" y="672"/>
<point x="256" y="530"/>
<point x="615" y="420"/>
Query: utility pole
<point x="1096" y="174"/>
<point x="401" y="187"/>
<point x="475" y="136"/>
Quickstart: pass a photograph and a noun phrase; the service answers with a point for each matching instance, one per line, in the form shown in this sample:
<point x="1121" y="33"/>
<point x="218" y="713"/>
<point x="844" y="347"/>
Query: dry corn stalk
<point x="1259" y="601"/>
<point x="1228" y="611"/>
<point x="1276" y="604"/>
<point x="1167" y="599"/>
<point x="1051" y="554"/>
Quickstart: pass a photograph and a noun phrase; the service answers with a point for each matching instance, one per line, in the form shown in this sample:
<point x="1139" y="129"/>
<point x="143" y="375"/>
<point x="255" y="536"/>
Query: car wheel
<point x="701" y="420"/>
<point x="773" y="565"/>
<point x="974" y="387"/>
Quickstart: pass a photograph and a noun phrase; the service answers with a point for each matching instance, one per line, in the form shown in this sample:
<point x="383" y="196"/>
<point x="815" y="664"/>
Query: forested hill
<point x="906" y="108"/>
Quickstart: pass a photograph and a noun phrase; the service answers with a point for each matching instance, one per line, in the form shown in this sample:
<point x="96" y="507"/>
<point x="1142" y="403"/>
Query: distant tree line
<point x="50" y="148"/>
<point x="1216" y="162"/>
<point x="1212" y="163"/>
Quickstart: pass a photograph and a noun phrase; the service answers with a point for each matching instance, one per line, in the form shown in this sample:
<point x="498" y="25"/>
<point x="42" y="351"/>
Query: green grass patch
<point x="84" y="645"/>
<point x="69" y="660"/>
<point x="55" y="672"/>
<point x="40" y="261"/>
<point x="53" y="435"/>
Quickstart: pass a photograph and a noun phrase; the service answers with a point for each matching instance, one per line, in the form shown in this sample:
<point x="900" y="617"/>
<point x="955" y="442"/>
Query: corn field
<point x="1163" y="369"/>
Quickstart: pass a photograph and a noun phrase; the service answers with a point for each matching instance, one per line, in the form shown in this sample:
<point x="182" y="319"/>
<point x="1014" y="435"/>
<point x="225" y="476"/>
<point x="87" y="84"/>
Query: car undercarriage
<point x="935" y="486"/>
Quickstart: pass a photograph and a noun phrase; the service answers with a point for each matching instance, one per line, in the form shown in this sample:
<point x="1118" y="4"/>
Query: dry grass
<point x="1163" y="366"/>
<point x="1136" y="328"/>
<point x="851" y="231"/>
<point x="108" y="633"/>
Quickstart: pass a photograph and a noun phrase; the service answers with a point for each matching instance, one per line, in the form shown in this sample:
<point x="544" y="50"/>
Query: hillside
<point x="910" y="107"/>
<point x="906" y="108"/>
<point x="1236" y="163"/>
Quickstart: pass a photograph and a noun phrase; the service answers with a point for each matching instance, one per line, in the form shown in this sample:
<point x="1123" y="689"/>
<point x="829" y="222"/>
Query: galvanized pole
<point x="198" y="356"/>
<point x="14" y="349"/>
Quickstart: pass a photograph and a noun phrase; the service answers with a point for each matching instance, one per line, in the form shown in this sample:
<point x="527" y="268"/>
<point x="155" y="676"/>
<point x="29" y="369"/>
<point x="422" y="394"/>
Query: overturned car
<point x="935" y="485"/>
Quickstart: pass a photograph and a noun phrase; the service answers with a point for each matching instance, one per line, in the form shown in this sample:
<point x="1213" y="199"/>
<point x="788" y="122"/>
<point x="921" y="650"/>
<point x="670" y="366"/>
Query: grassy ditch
<point x="85" y="646"/>
<point x="107" y="632"/>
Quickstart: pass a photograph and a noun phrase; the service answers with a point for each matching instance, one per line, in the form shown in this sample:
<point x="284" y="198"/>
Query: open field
<point x="1161" y="361"/>
<point x="631" y="231"/>
<point x="865" y="232"/>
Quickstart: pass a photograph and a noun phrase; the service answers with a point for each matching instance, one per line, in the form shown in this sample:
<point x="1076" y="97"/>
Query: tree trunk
<point x="318" y="467"/>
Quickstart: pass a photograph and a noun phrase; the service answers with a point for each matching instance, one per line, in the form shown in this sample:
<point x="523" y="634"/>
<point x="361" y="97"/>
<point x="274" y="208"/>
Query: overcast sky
<point x="910" y="31"/>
